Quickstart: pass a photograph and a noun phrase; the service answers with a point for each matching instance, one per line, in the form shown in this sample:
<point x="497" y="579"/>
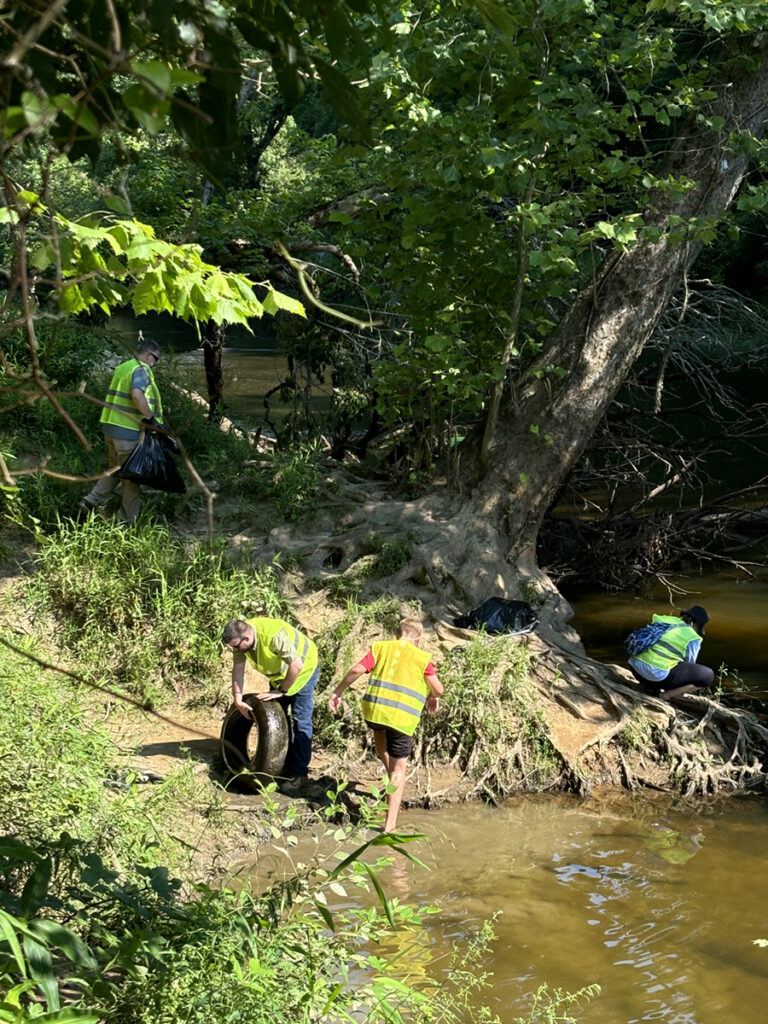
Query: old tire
<point x="256" y="749"/>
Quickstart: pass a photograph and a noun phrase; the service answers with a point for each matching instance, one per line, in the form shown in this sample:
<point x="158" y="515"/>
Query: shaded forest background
<point x="524" y="244"/>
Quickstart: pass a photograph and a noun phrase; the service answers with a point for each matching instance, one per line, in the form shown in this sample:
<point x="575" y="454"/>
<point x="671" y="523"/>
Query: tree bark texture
<point x="549" y="420"/>
<point x="213" y="343"/>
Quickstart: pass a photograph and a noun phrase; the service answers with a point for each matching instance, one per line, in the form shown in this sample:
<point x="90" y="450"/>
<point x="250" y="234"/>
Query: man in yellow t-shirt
<point x="402" y="682"/>
<point x="288" y="659"/>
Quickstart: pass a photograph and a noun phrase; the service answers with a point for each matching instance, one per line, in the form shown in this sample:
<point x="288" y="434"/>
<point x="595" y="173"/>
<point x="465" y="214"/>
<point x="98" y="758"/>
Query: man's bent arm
<point x="139" y="399"/>
<point x="286" y="682"/>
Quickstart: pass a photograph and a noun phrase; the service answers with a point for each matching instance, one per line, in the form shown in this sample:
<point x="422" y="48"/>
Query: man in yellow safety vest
<point x="402" y="681"/>
<point x="132" y="403"/>
<point x="289" y="660"/>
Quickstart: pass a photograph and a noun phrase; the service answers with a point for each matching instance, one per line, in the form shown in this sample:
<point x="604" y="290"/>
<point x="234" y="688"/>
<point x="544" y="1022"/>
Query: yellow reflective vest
<point x="671" y="648"/>
<point x="274" y="665"/>
<point x="396" y="688"/>
<point x="120" y="417"/>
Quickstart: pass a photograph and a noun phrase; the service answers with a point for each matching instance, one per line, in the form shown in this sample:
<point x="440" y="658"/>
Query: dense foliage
<point x="93" y="924"/>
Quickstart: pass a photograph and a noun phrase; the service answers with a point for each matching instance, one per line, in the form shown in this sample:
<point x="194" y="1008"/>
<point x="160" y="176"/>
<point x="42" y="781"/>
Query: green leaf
<point x="43" y="256"/>
<point x="13" y="121"/>
<point x="71" y="299"/>
<point x="499" y="18"/>
<point x="41" y="970"/>
<point x="380" y="892"/>
<point x="183" y="76"/>
<point x="36" y="888"/>
<point x="33" y="107"/>
<point x="78" y="113"/>
<point x="15" y="849"/>
<point x="437" y="342"/>
<point x="118" y="205"/>
<point x="157" y="72"/>
<point x="9" y="926"/>
<point x="149" y="110"/>
<point x="275" y="301"/>
<point x="68" y="1015"/>
<point x="149" y="294"/>
<point x="66" y="940"/>
<point x="326" y="915"/>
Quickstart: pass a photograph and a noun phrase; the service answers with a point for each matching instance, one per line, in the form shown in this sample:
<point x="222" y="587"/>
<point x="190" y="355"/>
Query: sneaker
<point x="295" y="785"/>
<point x="84" y="508"/>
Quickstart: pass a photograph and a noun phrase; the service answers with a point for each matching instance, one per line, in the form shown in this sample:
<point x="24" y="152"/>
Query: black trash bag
<point x="151" y="465"/>
<point x="498" y="615"/>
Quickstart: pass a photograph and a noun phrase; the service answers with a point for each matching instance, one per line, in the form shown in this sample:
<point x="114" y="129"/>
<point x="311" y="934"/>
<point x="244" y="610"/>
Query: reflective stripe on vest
<point x="119" y="410"/>
<point x="396" y="690"/>
<point x="670" y="650"/>
<point x="264" y="659"/>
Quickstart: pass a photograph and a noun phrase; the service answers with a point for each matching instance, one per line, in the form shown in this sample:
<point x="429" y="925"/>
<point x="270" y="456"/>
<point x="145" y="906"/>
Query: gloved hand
<point x="150" y="421"/>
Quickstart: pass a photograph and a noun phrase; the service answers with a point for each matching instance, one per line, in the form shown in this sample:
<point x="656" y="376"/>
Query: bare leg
<point x="118" y="450"/>
<point x="396" y="779"/>
<point x="380" y="739"/>
<point x="395" y="768"/>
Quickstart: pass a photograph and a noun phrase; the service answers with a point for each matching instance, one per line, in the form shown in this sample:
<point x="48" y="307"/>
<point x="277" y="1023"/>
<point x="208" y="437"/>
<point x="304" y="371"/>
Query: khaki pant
<point x="118" y="450"/>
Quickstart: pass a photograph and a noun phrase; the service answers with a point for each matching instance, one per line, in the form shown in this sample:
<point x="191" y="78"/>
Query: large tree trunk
<point x="550" y="419"/>
<point x="481" y="542"/>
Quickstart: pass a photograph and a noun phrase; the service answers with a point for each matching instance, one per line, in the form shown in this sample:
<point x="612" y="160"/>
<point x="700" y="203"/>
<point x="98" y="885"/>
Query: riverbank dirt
<point x="599" y="729"/>
<point x="606" y="735"/>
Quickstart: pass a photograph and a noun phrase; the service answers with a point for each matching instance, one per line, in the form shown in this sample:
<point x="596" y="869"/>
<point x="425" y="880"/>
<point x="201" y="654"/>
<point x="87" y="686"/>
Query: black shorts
<point x="398" y="744"/>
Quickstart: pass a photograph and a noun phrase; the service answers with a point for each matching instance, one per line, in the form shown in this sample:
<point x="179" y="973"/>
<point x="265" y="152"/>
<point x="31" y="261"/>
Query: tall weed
<point x="491" y="724"/>
<point x="142" y="608"/>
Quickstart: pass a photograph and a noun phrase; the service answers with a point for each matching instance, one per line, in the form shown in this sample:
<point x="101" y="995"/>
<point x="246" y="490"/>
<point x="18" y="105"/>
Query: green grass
<point x="141" y="608"/>
<point x="88" y="866"/>
<point x="490" y="723"/>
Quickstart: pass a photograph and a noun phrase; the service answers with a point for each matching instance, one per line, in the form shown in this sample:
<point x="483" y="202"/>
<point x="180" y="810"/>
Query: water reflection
<point x="657" y="904"/>
<point x="252" y="364"/>
<point x="738" y="611"/>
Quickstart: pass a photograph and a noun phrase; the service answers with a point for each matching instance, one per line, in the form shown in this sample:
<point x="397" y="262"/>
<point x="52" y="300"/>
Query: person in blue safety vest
<point x="402" y="683"/>
<point x="668" y="667"/>
<point x="132" y="403"/>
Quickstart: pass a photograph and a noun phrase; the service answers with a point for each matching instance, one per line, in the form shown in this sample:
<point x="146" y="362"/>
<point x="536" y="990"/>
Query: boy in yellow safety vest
<point x="402" y="682"/>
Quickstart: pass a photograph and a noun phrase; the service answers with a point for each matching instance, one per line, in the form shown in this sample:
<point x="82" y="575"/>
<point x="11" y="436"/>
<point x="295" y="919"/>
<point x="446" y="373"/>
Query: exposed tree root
<point x="522" y="713"/>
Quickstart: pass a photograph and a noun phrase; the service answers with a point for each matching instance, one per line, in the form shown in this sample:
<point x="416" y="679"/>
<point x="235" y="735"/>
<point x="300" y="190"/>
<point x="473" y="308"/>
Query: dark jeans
<point x="685" y="673"/>
<point x="301" y="705"/>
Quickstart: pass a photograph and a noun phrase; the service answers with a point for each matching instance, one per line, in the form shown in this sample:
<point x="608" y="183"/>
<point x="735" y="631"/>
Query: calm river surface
<point x="659" y="904"/>
<point x="735" y="638"/>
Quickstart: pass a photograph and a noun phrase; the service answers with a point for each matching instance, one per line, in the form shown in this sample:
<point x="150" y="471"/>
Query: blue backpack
<point x="641" y="639"/>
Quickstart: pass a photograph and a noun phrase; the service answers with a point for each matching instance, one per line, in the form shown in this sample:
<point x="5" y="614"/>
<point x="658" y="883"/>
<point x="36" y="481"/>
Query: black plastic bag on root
<point x="498" y="615"/>
<point x="152" y="465"/>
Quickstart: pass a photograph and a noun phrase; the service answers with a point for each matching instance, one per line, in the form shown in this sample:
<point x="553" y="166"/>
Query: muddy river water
<point x="656" y="902"/>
